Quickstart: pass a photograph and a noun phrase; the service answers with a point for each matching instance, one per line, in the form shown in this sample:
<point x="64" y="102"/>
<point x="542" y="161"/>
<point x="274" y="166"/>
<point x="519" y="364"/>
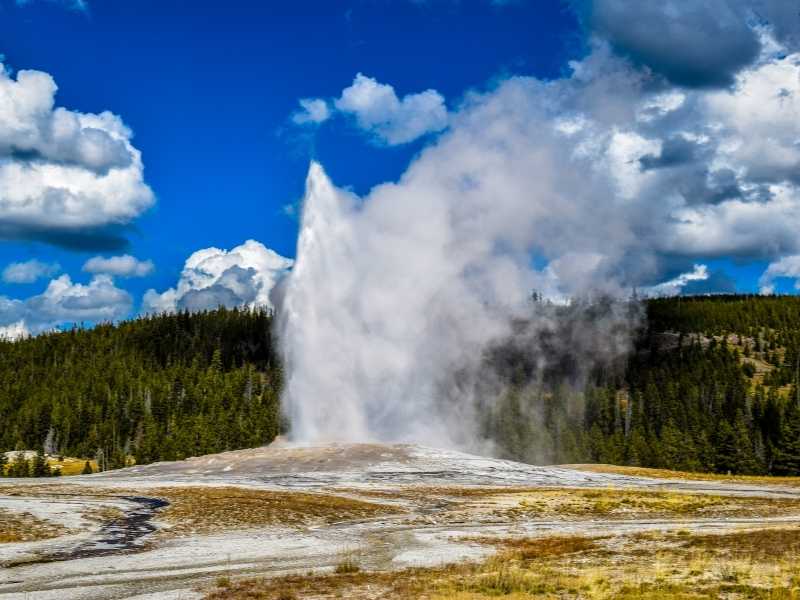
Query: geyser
<point x="386" y="316"/>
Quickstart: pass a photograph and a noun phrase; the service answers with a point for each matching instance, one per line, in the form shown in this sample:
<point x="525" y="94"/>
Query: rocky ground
<point x="175" y="530"/>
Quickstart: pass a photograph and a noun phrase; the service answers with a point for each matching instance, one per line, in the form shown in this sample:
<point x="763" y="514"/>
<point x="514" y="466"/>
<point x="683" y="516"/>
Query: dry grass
<point x="611" y="504"/>
<point x="766" y="544"/>
<point x="634" y="504"/>
<point x="24" y="527"/>
<point x="53" y="488"/>
<point x="761" y="564"/>
<point x="67" y="465"/>
<point x="536" y="548"/>
<point x="195" y="510"/>
<point x="685" y="475"/>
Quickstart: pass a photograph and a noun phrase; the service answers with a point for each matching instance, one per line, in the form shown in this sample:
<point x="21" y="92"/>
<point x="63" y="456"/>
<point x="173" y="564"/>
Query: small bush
<point x="348" y="564"/>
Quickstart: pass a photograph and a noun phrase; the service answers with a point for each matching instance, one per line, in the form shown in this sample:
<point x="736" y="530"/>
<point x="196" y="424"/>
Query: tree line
<point x="710" y="384"/>
<point x="155" y="388"/>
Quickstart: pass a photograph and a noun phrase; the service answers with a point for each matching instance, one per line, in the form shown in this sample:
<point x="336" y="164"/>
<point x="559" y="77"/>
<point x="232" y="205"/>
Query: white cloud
<point x="14" y="331"/>
<point x="243" y="276"/>
<point x="63" y="170"/>
<point x="120" y="266"/>
<point x="66" y="302"/>
<point x="788" y="266"/>
<point x="312" y="111"/>
<point x="378" y="111"/>
<point x="675" y="285"/>
<point x="29" y="271"/>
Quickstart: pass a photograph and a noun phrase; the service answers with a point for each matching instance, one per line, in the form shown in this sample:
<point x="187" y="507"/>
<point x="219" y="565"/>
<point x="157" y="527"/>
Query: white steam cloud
<point x="604" y="181"/>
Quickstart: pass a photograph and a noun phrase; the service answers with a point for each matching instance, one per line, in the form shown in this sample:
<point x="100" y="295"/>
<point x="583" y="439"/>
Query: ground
<point x="398" y="521"/>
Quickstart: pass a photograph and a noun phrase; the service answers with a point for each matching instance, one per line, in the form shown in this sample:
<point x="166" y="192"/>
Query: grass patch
<point x="347" y="565"/>
<point x="24" y="527"/>
<point x="685" y="475"/>
<point x="625" y="504"/>
<point x="70" y="465"/>
<point x="656" y="566"/>
<point x="536" y="548"/>
<point x="766" y="544"/>
<point x="206" y="510"/>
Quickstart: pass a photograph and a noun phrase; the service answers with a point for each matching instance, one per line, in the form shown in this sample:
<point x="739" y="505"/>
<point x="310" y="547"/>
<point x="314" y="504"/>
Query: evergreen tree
<point x="19" y="466"/>
<point x="39" y="466"/>
<point x="787" y="455"/>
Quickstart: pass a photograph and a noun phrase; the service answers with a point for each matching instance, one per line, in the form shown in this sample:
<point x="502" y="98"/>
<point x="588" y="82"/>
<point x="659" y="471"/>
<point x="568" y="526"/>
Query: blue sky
<point x="209" y="91"/>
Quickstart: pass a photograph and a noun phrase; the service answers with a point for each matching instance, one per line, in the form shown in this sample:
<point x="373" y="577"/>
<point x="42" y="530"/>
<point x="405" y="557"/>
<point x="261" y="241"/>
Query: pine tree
<point x="787" y="456"/>
<point x="19" y="466"/>
<point x="39" y="466"/>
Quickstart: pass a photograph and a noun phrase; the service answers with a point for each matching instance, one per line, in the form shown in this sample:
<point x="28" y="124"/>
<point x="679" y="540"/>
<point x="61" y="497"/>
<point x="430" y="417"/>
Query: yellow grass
<point x="667" y="474"/>
<point x="24" y="527"/>
<point x="205" y="509"/>
<point x="655" y="566"/>
<point x="70" y="465"/>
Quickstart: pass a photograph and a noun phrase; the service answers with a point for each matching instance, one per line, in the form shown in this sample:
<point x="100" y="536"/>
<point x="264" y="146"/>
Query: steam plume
<point x="585" y="186"/>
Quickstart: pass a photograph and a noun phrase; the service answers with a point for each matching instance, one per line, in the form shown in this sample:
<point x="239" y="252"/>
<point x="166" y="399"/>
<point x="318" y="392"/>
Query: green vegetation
<point x="155" y="388"/>
<point x="711" y="386"/>
<point x="721" y="396"/>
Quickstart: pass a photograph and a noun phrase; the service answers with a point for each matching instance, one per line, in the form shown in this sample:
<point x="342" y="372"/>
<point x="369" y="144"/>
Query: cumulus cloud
<point x="29" y="271"/>
<point x="63" y="172"/>
<point x="393" y="120"/>
<point x="787" y="266"/>
<point x="119" y="266"/>
<point x="377" y="110"/>
<point x="693" y="44"/>
<point x="242" y="276"/>
<point x="65" y="302"/>
<point x="312" y="111"/>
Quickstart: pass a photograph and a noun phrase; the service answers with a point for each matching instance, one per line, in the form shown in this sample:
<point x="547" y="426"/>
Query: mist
<point x="400" y="301"/>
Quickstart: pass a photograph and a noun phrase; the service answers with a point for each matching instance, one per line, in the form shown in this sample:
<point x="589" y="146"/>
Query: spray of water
<point x="397" y="297"/>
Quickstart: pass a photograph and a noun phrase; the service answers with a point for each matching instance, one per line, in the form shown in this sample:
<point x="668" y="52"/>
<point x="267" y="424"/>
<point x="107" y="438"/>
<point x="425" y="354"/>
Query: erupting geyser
<point x="389" y="307"/>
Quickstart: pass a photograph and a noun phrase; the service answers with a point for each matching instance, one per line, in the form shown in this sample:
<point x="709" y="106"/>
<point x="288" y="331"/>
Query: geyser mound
<point x="351" y="464"/>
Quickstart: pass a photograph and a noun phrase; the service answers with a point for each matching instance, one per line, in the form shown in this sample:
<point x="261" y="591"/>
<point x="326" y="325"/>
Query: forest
<point x="155" y="388"/>
<point x="709" y="384"/>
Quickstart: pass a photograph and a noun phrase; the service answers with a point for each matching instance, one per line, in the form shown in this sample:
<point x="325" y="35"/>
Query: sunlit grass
<point x="655" y="566"/>
<point x="24" y="527"/>
<point x="686" y="475"/>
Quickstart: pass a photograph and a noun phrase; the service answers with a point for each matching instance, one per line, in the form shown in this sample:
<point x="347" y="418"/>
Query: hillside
<point x="717" y="393"/>
<point x="155" y="388"/>
<point x="711" y="386"/>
